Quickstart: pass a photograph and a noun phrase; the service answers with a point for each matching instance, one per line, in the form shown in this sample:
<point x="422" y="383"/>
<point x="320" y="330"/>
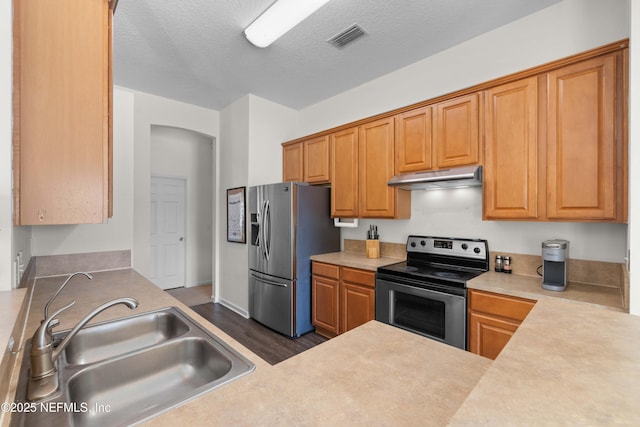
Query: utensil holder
<point x="373" y="248"/>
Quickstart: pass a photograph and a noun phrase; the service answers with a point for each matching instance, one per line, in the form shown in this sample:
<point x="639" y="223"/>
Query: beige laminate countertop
<point x="568" y="364"/>
<point x="355" y="260"/>
<point x="10" y="303"/>
<point x="375" y="374"/>
<point x="530" y="287"/>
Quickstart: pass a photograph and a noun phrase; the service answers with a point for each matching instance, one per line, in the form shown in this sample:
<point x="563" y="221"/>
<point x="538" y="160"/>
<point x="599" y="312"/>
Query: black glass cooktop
<point x="417" y="271"/>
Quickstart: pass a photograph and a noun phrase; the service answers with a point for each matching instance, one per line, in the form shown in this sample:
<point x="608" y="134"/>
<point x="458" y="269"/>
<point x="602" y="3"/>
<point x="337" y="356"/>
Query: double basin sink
<point x="128" y="370"/>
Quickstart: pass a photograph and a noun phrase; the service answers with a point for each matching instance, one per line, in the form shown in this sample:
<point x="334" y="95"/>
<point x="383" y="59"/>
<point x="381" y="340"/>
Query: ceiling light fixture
<point x="279" y="18"/>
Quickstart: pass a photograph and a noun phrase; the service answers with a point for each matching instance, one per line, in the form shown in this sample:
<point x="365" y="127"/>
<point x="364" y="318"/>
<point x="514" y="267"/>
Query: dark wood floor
<point x="266" y="343"/>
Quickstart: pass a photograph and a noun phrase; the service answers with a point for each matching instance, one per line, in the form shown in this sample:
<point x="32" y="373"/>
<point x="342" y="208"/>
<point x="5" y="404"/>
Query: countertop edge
<point x="355" y="260"/>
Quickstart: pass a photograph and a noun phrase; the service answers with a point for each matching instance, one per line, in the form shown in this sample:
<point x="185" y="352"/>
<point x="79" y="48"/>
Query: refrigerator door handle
<point x="267" y="230"/>
<point x="261" y="228"/>
<point x="267" y="281"/>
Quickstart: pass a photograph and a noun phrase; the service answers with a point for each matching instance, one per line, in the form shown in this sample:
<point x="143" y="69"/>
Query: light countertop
<point x="569" y="363"/>
<point x="10" y="303"/>
<point x="372" y="375"/>
<point x="530" y="287"/>
<point x="355" y="260"/>
<point x="375" y="374"/>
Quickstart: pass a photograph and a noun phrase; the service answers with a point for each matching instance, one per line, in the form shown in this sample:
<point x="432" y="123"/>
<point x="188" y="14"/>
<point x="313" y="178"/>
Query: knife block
<point x="373" y="248"/>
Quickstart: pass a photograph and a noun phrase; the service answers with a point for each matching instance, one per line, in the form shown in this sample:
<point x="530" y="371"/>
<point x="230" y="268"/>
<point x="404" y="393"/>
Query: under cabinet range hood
<point x="465" y="176"/>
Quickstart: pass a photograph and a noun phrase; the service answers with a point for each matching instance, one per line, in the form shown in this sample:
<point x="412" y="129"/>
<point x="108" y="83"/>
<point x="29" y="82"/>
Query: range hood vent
<point x="466" y="176"/>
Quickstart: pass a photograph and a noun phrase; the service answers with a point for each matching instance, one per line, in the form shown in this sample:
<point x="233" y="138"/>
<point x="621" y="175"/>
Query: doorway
<point x="189" y="155"/>
<point x="168" y="230"/>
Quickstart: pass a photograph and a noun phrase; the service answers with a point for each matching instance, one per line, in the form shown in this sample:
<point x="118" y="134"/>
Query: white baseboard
<point x="231" y="306"/>
<point x="193" y="285"/>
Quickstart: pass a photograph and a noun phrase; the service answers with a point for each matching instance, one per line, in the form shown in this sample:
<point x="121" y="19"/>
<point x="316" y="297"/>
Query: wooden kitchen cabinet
<point x="457" y="131"/>
<point x="511" y="151"/>
<point x="325" y="297"/>
<point x="555" y="149"/>
<point x="306" y="161"/>
<point x="439" y="136"/>
<point x="583" y="156"/>
<point x="344" y="173"/>
<point x="552" y="140"/>
<point x="492" y="320"/>
<point x="343" y="298"/>
<point x="375" y="169"/>
<point x="357" y="298"/>
<point x="293" y="162"/>
<point x="62" y="143"/>
<point x="413" y="141"/>
<point x="316" y="160"/>
<point x="362" y="162"/>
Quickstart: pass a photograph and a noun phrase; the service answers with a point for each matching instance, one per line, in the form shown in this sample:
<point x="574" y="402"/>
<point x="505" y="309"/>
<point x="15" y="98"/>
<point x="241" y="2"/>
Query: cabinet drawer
<point x="363" y="277"/>
<point x="326" y="270"/>
<point x="500" y="305"/>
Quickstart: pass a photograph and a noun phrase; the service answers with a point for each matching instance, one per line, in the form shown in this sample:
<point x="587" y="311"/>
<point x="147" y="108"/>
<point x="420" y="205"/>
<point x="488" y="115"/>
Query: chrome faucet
<point x="44" y="378"/>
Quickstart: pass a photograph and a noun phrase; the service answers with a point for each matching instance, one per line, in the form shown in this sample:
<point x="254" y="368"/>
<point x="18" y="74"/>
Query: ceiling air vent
<point x="347" y="36"/>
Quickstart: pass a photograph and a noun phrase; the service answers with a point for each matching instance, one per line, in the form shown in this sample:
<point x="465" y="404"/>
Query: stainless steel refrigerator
<point x="289" y="223"/>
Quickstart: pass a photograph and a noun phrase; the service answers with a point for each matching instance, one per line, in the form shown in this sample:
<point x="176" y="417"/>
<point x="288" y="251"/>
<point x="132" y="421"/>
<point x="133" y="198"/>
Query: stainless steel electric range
<point x="427" y="293"/>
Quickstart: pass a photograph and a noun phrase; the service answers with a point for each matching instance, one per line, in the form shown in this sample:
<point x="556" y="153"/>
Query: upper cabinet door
<point x="511" y="151"/>
<point x="292" y="162"/>
<point x="377" y="199"/>
<point x="344" y="173"/>
<point x="413" y="141"/>
<point x="316" y="160"/>
<point x="62" y="111"/>
<point x="457" y="131"/>
<point x="581" y="144"/>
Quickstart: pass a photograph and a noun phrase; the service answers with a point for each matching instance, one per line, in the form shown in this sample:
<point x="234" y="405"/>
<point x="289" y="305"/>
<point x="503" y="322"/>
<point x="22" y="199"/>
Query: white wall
<point x="232" y="283"/>
<point x="634" y="159"/>
<point x="134" y="115"/>
<point x="458" y="213"/>
<point x="117" y="232"/>
<point x="569" y="27"/>
<point x="179" y="153"/>
<point x="566" y="28"/>
<point x="6" y="219"/>
<point x="150" y="110"/>
<point x="270" y="125"/>
<point x="251" y="131"/>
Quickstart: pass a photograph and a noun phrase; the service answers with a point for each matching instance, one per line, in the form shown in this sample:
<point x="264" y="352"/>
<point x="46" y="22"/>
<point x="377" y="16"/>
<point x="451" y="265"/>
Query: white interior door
<point x="168" y="229"/>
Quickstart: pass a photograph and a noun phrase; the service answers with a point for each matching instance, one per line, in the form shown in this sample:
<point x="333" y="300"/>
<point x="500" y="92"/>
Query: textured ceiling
<point x="194" y="51"/>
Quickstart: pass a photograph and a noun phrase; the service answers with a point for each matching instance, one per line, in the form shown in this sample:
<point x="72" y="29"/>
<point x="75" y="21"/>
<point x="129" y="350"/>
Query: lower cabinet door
<point x="324" y="302"/>
<point x="488" y="335"/>
<point x="358" y="306"/>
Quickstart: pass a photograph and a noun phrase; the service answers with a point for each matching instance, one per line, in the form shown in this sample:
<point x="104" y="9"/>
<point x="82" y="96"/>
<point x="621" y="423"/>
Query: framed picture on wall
<point x="236" y="215"/>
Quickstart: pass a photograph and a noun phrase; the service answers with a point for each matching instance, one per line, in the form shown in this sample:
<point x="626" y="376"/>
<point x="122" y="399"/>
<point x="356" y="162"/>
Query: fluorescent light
<point x="281" y="16"/>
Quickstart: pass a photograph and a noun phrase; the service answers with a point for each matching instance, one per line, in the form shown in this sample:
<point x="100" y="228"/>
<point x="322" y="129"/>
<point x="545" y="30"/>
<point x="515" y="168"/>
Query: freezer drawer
<point x="271" y="301"/>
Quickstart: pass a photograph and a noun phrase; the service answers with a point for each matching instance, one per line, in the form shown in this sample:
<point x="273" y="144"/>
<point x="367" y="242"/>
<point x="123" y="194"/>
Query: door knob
<point x="181" y="239"/>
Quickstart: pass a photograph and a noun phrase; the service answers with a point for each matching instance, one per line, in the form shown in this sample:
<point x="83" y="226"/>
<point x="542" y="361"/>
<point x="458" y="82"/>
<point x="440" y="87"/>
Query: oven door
<point x="428" y="310"/>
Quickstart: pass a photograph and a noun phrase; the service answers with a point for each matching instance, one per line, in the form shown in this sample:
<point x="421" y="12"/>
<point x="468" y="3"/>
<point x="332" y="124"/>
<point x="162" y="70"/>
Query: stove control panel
<point x="466" y="248"/>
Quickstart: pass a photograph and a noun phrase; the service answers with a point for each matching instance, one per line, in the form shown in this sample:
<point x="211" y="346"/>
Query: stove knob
<point x="413" y="244"/>
<point x="465" y="246"/>
<point x="423" y="243"/>
<point x="476" y="250"/>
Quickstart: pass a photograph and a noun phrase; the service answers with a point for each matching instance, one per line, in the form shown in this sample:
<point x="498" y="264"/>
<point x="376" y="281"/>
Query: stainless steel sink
<point x="105" y="340"/>
<point x="159" y="360"/>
